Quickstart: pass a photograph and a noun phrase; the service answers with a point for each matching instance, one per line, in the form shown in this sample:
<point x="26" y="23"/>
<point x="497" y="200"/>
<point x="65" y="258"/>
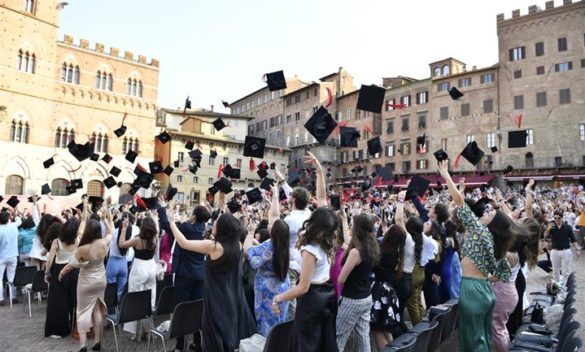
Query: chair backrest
<point x="441" y="319"/>
<point x="111" y="295"/>
<point x="567" y="316"/>
<point x="160" y="285"/>
<point x="407" y="346"/>
<point x="38" y="284"/>
<point x="24" y="275"/>
<point x="450" y="322"/>
<point x="424" y="337"/>
<point x="135" y="306"/>
<point x="166" y="301"/>
<point x="280" y="338"/>
<point x="187" y="318"/>
<point x="571" y="344"/>
<point x="568" y="329"/>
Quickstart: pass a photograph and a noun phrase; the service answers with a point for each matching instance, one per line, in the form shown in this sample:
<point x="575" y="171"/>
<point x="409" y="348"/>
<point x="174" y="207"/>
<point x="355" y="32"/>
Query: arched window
<point x="26" y="61"/>
<point x="98" y="78"/>
<point x="64" y="72"/>
<point x="139" y="89"/>
<point x="76" y="74"/>
<point x="19" y="131"/>
<point x="130" y="143"/>
<point x="14" y="185"/>
<point x="129" y="86"/>
<point x="100" y="142"/>
<point x="70" y="74"/>
<point x="63" y="136"/>
<point x="110" y="82"/>
<point x="95" y="189"/>
<point x="446" y="70"/>
<point x="529" y="160"/>
<point x="104" y="81"/>
<point x="58" y="137"/>
<point x="58" y="187"/>
<point x="437" y="72"/>
<point x="29" y="6"/>
<point x="288" y="141"/>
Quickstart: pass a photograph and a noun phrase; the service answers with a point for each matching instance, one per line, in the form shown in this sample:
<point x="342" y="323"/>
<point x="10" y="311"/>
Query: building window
<point x="582" y="63"/>
<point x="210" y="181"/>
<point x="518" y="53"/>
<point x="539" y="49"/>
<point x="469" y="138"/>
<point x="348" y="114"/>
<point x="558" y="161"/>
<point x="405" y="167"/>
<point x="19" y="131"/>
<point x="444" y="112"/>
<point x="491" y="140"/>
<point x="529" y="160"/>
<point x="104" y="81"/>
<point x="297" y="98"/>
<point x="445" y="70"/>
<point x="63" y="137"/>
<point x="251" y="129"/>
<point x="529" y="136"/>
<point x="422" y="97"/>
<point x="131" y="143"/>
<point x="487" y="78"/>
<point x="179" y="179"/>
<point x="100" y="142"/>
<point x="564" y="66"/>
<point x="582" y="132"/>
<point x="297" y="116"/>
<point x="422" y="164"/>
<point x="517" y="74"/>
<point x="70" y="73"/>
<point x="444" y="86"/>
<point x="27" y="61"/>
<point x="390" y="102"/>
<point x="444" y="144"/>
<point x="562" y="43"/>
<point x="465" y="109"/>
<point x="422" y="121"/>
<point x="390" y="127"/>
<point x="488" y="106"/>
<point x="134" y="87"/>
<point x="405" y="148"/>
<point x="565" y="96"/>
<point x="58" y="187"/>
<point x="390" y="150"/>
<point x="405" y="124"/>
<point x="14" y="185"/>
<point x="405" y="100"/>
<point x="211" y="161"/>
<point x="540" y="70"/>
<point x="29" y="6"/>
<point x="181" y="156"/>
<point x="518" y="102"/>
<point x="195" y="179"/>
<point x="540" y="99"/>
<point x="464" y="82"/>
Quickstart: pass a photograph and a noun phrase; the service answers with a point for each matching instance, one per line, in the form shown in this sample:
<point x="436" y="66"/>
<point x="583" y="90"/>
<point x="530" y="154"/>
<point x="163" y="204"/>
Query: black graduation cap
<point x="275" y="81"/>
<point x="151" y="203"/>
<point x="321" y="125"/>
<point x="171" y="192"/>
<point x="494" y="149"/>
<point x="45" y="189"/>
<point x="169" y="170"/>
<point x="225" y="104"/>
<point x="212" y="153"/>
<point x="455" y="93"/>
<point x="224" y="185"/>
<point x="262" y="173"/>
<point x="131" y="156"/>
<point x="359" y="169"/>
<point x="508" y="169"/>
<point x="441" y="155"/>
<point x="47" y="163"/>
<point x="77" y="183"/>
<point x="110" y="182"/>
<point x="254" y="147"/>
<point x="335" y="201"/>
<point x="385" y="173"/>
<point x="187" y="103"/>
<point x="517" y="139"/>
<point x="348" y="137"/>
<point x="228" y="170"/>
<point x="133" y="189"/>
<point x="478" y="208"/>
<point x="155" y="167"/>
<point x="213" y="189"/>
<point x="219" y="124"/>
<point x="80" y="151"/>
<point x="107" y="158"/>
<point x="267" y="183"/>
<point x="13" y="201"/>
<point x="176" y="163"/>
<point x="272" y="166"/>
<point x="195" y="154"/>
<point x="193" y="169"/>
<point x="70" y="189"/>
<point x="421" y="140"/>
<point x="254" y="195"/>
<point x="138" y="170"/>
<point x="119" y="132"/>
<point x="189" y="145"/>
<point x="144" y="180"/>
<point x="374" y="146"/>
<point x="371" y="98"/>
<point x="120" y="184"/>
<point x="115" y="171"/>
<point x="234" y="206"/>
<point x="236" y="174"/>
<point x="472" y="153"/>
<point x="418" y="186"/>
<point x="94" y="157"/>
<point x="164" y="137"/>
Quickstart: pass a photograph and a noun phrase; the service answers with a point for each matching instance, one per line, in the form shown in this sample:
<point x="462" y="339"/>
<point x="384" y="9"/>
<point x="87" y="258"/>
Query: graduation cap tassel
<point x="219" y="170"/>
<point x="329" y="97"/>
<point x="456" y="163"/>
<point x="252" y="164"/>
<point x="518" y="120"/>
<point x="368" y="129"/>
<point x="140" y="202"/>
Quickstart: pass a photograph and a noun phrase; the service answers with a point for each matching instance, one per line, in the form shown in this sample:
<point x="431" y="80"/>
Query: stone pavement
<point x="18" y="332"/>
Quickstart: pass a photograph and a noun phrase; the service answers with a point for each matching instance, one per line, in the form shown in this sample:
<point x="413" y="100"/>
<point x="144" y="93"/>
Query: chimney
<point x="567" y="2"/>
<point x="549" y="5"/>
<point x="515" y="13"/>
<point x="211" y="107"/>
<point x="532" y="9"/>
<point x="99" y="47"/>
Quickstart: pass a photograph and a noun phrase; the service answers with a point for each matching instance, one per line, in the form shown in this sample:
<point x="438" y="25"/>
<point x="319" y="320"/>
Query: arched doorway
<point x="95" y="189"/>
<point x="58" y="187"/>
<point x="125" y="195"/>
<point x="14" y="185"/>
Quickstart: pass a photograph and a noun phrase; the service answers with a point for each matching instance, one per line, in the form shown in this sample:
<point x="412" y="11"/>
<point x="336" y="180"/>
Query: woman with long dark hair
<point x="432" y="230"/>
<point x="360" y="258"/>
<point x="226" y="316"/>
<point x="117" y="265"/>
<point x="61" y="299"/>
<point x="38" y="253"/>
<point x="91" y="284"/>
<point x="270" y="260"/>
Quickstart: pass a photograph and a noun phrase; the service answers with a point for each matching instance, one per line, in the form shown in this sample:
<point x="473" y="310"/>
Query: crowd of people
<point x="370" y="266"/>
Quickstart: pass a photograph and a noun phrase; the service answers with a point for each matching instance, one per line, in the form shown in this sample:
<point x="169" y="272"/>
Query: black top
<point x="144" y="254"/>
<point x="562" y="237"/>
<point x="384" y="271"/>
<point x="357" y="285"/>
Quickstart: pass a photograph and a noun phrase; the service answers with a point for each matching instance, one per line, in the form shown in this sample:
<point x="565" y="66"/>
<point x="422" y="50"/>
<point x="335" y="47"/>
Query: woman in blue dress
<point x="270" y="261"/>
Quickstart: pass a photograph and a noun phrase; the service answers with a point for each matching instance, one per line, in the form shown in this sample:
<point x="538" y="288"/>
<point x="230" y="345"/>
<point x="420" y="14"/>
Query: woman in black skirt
<point x="61" y="299"/>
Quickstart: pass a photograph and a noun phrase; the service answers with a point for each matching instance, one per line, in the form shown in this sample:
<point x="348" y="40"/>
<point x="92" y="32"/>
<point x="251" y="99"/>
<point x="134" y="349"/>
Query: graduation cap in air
<point x="471" y="153"/>
<point x="455" y="93"/>
<point x="138" y="170"/>
<point x="110" y="182"/>
<point x="335" y="201"/>
<point x="94" y="157"/>
<point x="417" y="187"/>
<point x="13" y="201"/>
<point x="254" y="195"/>
<point x="133" y="189"/>
<point x="187" y="104"/>
<point x="517" y="139"/>
<point x="155" y="167"/>
<point x="254" y="147"/>
<point x="267" y="183"/>
<point x="213" y="189"/>
<point x="275" y="81"/>
<point x="508" y="169"/>
<point x="195" y="154"/>
<point x="225" y="104"/>
<point x="107" y="158"/>
<point x="80" y="151"/>
<point x="385" y="173"/>
<point x="176" y="163"/>
<point x="151" y="203"/>
<point x="421" y="141"/>
<point x="348" y="137"/>
<point x="228" y="170"/>
<point x="224" y="185"/>
<point x="193" y="169"/>
<point x="321" y="125"/>
<point x="272" y="166"/>
<point x="494" y="149"/>
<point x="45" y="189"/>
<point x="115" y="171"/>
<point x="219" y="124"/>
<point x="47" y="163"/>
<point x="371" y="98"/>
<point x="168" y="170"/>
<point x="189" y="145"/>
<point x="213" y="153"/>
<point x="119" y="132"/>
<point x="262" y="173"/>
<point x="131" y="156"/>
<point x="70" y="189"/>
<point x="236" y="174"/>
<point x="441" y="155"/>
<point x="77" y="183"/>
<point x="144" y="180"/>
<point x="164" y="137"/>
<point x="374" y="146"/>
<point x="171" y="192"/>
<point x="234" y="206"/>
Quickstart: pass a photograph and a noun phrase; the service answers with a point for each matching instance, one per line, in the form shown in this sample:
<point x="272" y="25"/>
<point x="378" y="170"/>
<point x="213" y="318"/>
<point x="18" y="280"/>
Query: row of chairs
<point x="30" y="281"/>
<point x="431" y="332"/>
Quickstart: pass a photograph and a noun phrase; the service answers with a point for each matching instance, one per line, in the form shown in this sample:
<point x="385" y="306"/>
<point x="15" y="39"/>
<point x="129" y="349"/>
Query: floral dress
<point x="266" y="286"/>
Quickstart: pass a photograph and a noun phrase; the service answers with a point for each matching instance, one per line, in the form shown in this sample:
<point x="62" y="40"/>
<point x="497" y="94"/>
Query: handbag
<point x="254" y="343"/>
<point x="537" y="316"/>
<point x="161" y="270"/>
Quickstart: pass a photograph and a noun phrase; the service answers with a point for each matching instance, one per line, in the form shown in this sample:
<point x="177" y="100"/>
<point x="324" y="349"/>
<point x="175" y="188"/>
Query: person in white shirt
<point x="8" y="252"/>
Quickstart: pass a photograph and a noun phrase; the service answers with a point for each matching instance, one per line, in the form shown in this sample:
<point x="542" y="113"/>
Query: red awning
<point x="469" y="180"/>
<point x="571" y="177"/>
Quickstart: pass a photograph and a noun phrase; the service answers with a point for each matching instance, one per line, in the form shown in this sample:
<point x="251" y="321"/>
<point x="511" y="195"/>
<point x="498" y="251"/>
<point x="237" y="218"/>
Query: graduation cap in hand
<point x="417" y="187"/>
<point x="254" y="195"/>
<point x="267" y="183"/>
<point x="441" y="155"/>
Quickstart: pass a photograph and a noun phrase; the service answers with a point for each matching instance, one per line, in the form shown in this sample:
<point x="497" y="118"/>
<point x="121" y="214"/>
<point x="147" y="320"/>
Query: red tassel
<point x="368" y="129"/>
<point x="140" y="202"/>
<point x="252" y="164"/>
<point x="518" y="120"/>
<point x="140" y="168"/>
<point x="456" y="163"/>
<point x="329" y="97"/>
<point x="397" y="106"/>
<point x="339" y="125"/>
<point x="219" y="170"/>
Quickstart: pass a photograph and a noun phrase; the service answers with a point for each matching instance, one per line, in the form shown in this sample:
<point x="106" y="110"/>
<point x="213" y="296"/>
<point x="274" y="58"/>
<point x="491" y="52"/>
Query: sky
<point x="218" y="50"/>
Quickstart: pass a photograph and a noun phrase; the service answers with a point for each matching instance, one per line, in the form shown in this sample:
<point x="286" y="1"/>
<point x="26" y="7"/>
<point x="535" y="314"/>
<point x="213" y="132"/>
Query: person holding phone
<point x="562" y="236"/>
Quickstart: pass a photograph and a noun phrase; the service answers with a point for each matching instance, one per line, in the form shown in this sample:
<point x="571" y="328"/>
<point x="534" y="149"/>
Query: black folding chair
<point x="186" y="319"/>
<point x="404" y="343"/>
<point x="166" y="302"/>
<point x="37" y="286"/>
<point x="22" y="277"/>
<point x="135" y="306"/>
<point x="111" y="295"/>
<point x="572" y="343"/>
<point x="280" y="338"/>
<point x="424" y="337"/>
<point x="440" y="316"/>
<point x="165" y="282"/>
<point x="450" y="322"/>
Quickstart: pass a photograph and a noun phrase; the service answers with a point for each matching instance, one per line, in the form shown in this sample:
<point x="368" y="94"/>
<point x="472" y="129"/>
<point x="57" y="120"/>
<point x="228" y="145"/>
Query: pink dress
<point x="165" y="251"/>
<point x="335" y="271"/>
